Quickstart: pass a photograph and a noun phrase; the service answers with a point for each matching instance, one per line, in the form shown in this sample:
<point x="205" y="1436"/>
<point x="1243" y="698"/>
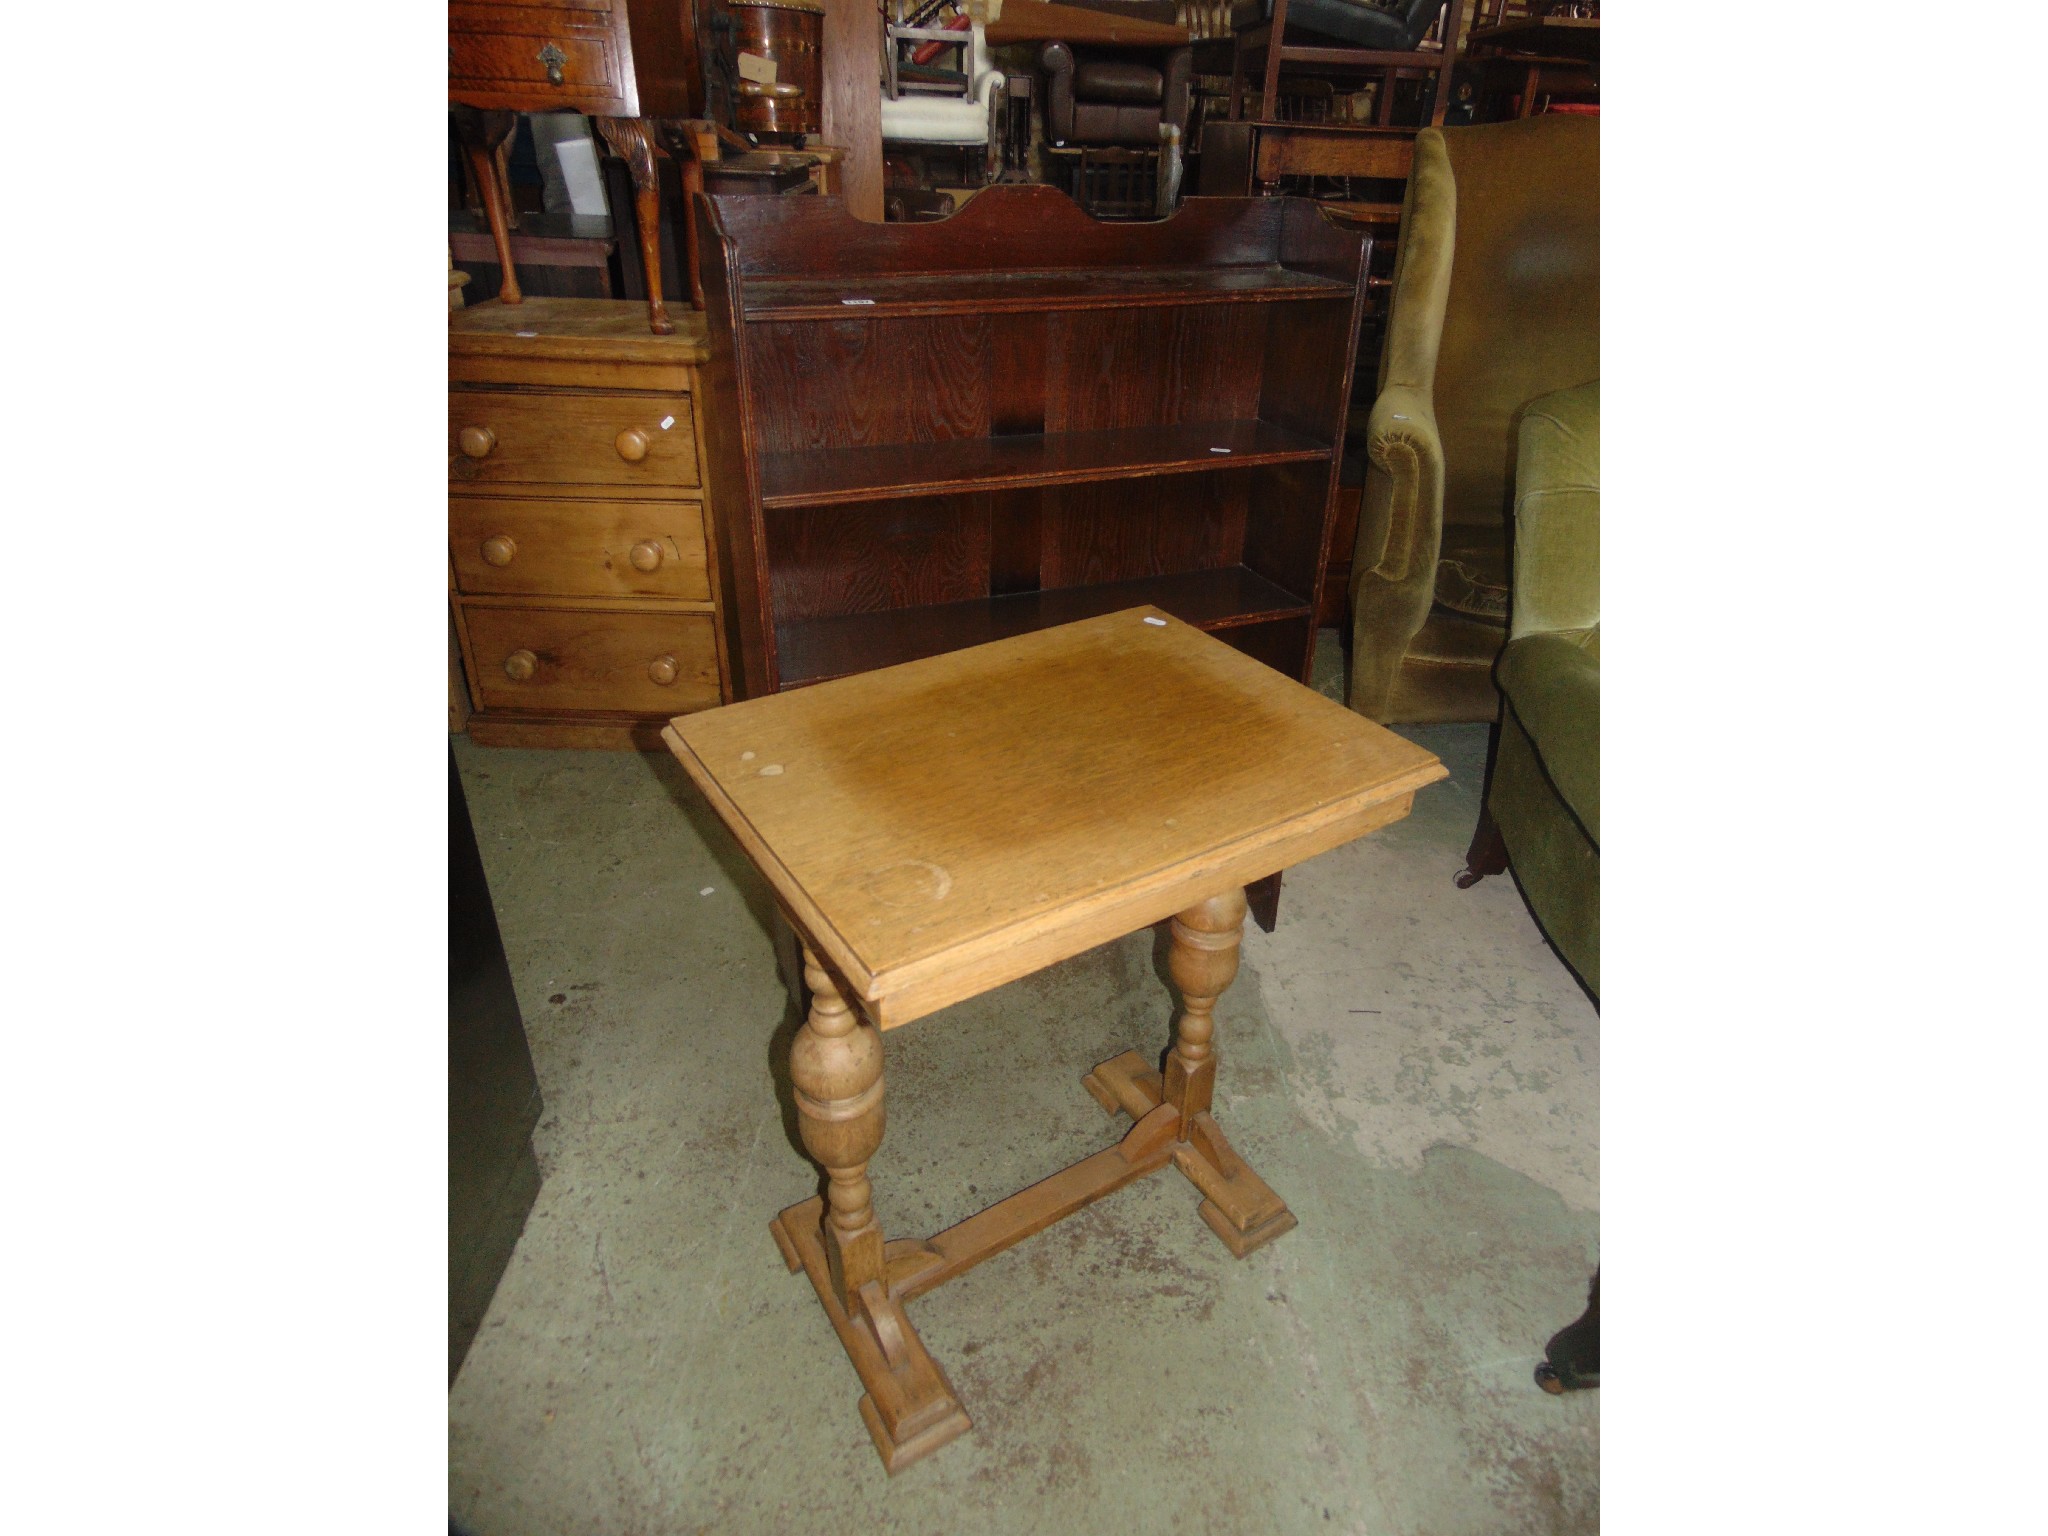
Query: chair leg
<point x="1488" y="855"/>
<point x="1571" y="1360"/>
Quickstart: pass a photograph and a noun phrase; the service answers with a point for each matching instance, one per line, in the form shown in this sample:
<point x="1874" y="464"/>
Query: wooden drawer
<point x="497" y="437"/>
<point x="583" y="658"/>
<point x="495" y="57"/>
<point x="579" y="548"/>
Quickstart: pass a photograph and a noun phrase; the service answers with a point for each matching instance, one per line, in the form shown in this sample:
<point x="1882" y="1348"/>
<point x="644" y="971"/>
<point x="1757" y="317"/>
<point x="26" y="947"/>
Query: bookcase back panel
<point x="912" y="379"/>
<point x="880" y="555"/>
<point x="1121" y="530"/>
<point x="1307" y="350"/>
<point x="1107" y="368"/>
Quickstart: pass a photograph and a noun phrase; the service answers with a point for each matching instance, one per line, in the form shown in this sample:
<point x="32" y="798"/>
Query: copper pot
<point x="787" y="35"/>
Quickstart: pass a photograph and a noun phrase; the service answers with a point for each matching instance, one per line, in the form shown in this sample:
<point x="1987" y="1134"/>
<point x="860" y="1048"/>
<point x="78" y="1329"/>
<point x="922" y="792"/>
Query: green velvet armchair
<point x="1496" y="301"/>
<point x="1542" y="810"/>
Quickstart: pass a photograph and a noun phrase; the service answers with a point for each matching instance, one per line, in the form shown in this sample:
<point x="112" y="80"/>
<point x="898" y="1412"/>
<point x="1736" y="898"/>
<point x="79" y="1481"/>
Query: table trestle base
<point x="910" y="1407"/>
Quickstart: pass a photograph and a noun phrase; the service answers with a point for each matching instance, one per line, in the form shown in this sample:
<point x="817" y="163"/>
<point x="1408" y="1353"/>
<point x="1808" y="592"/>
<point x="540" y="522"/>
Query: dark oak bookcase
<point x="927" y="436"/>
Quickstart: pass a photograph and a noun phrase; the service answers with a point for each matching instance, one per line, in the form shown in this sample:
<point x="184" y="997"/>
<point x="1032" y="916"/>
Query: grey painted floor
<point x="1408" y="1064"/>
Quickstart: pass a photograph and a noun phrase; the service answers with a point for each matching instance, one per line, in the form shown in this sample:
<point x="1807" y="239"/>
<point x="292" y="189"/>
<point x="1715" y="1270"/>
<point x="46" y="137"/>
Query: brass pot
<point x="784" y="38"/>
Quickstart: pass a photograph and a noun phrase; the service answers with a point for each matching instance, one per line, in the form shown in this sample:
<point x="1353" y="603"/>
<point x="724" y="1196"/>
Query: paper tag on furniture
<point x="754" y="67"/>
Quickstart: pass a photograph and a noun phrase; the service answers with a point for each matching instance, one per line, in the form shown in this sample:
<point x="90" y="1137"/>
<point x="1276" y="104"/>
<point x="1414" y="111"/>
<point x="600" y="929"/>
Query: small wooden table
<point x="936" y="829"/>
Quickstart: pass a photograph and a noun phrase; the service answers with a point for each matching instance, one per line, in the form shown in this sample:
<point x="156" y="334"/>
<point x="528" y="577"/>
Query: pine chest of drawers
<point x="581" y="556"/>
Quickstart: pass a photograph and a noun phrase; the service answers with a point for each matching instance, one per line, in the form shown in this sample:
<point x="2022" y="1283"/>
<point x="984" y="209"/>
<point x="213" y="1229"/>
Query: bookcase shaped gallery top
<point x="934" y="435"/>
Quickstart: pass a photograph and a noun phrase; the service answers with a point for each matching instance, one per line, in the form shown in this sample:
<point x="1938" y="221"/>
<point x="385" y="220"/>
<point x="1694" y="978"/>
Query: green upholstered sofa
<point x="1543" y="798"/>
<point x="1496" y="301"/>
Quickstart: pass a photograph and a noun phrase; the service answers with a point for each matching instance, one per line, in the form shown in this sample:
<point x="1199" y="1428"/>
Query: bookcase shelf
<point x="955" y="293"/>
<point x="814" y="650"/>
<point x="821" y="477"/>
<point x="1030" y="417"/>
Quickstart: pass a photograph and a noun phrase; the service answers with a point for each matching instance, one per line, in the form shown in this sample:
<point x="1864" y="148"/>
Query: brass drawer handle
<point x="662" y="670"/>
<point x="499" y="549"/>
<point x="520" y="665"/>
<point x="554" y="58"/>
<point x="646" y="555"/>
<point x="632" y="445"/>
<point x="476" y="442"/>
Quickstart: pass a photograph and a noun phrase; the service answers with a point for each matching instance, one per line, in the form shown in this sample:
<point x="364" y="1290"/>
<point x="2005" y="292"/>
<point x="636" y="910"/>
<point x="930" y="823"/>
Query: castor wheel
<point x="1548" y="1379"/>
<point x="1465" y="879"/>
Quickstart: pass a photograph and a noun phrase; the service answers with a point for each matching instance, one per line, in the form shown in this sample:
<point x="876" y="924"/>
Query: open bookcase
<point x="927" y="436"/>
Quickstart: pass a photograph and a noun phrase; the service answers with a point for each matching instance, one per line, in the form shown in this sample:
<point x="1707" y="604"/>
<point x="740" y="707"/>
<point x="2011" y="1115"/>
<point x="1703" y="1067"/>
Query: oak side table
<point x="936" y="829"/>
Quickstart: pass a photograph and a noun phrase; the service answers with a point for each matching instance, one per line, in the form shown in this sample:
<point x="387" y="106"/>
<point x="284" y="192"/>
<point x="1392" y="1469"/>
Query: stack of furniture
<point x="943" y="434"/>
<point x="1519" y="65"/>
<point x="1496" y="301"/>
<point x="955" y="103"/>
<point x="583" y="583"/>
<point x="634" y="65"/>
<point x="1266" y="151"/>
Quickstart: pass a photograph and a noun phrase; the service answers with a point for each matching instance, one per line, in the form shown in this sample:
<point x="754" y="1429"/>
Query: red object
<point x="924" y="53"/>
<point x="1583" y="108"/>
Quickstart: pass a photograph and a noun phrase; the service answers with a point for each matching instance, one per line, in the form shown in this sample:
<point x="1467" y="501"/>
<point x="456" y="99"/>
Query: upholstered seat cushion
<point x="1552" y="682"/>
<point x="1120" y="81"/>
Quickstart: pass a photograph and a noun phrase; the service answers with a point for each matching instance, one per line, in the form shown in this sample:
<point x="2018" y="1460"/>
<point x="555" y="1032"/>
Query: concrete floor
<point x="1408" y="1064"/>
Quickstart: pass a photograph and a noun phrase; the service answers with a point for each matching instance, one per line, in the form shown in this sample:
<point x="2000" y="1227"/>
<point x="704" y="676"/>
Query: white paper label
<point x="856" y="301"/>
<point x="667" y="422"/>
<point x="755" y="67"/>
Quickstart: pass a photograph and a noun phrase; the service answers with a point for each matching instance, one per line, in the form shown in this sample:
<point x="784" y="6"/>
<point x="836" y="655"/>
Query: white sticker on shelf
<point x="1150" y="620"/>
<point x="1219" y="450"/>
<point x="856" y="301"/>
<point x="667" y="422"/>
<point x="526" y="333"/>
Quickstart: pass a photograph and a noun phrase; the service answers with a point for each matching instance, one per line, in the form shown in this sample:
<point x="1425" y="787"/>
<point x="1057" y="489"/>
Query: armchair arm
<point x="1400" y="524"/>
<point x="1057" y="60"/>
<point x="1557" y="513"/>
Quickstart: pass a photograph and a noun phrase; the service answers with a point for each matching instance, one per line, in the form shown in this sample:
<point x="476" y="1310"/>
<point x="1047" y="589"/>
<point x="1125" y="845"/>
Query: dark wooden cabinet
<point x="928" y="436"/>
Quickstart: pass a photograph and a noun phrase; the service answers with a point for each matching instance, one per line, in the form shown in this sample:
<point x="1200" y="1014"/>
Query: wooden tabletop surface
<point x="575" y="330"/>
<point x="941" y="827"/>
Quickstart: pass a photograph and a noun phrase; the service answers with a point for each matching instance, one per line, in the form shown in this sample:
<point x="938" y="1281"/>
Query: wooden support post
<point x="1203" y="963"/>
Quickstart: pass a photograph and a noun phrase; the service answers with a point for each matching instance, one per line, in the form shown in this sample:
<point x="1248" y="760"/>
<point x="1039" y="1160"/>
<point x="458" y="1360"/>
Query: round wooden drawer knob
<point x="632" y="445"/>
<point x="646" y="555"/>
<point x="662" y="670"/>
<point x="499" y="549"/>
<point x="519" y="665"/>
<point x="477" y="442"/>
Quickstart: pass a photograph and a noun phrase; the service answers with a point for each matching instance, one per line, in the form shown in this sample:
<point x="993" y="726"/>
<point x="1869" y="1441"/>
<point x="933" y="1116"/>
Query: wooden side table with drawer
<point x="581" y="564"/>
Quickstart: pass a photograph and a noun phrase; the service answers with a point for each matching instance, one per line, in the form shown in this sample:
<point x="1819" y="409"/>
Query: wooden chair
<point x="1264" y="48"/>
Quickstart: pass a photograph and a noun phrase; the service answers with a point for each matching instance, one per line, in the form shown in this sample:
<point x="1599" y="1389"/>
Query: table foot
<point x="909" y="1407"/>
<point x="1241" y="1207"/>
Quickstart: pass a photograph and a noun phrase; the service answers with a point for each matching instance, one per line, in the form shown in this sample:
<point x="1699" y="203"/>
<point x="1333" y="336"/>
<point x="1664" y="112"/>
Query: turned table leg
<point x="480" y="134"/>
<point x="632" y="140"/>
<point x="836" y="1065"/>
<point x="1203" y="963"/>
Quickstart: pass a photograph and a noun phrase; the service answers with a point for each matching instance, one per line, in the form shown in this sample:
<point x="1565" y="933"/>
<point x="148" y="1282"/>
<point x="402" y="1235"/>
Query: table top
<point x="938" y="828"/>
<point x="575" y="330"/>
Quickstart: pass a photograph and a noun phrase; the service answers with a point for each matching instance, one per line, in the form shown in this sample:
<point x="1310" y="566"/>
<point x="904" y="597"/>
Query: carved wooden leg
<point x="836" y="1065"/>
<point x="1240" y="1207"/>
<point x="480" y="134"/>
<point x="632" y="140"/>
<point x="682" y="136"/>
